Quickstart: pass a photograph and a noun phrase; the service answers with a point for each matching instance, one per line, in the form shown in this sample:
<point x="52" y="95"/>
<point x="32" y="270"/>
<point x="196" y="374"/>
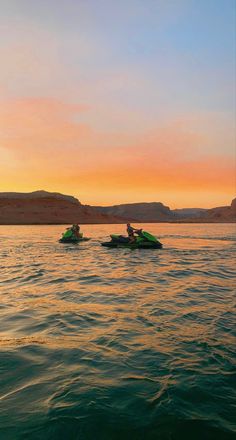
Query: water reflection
<point x="90" y="335"/>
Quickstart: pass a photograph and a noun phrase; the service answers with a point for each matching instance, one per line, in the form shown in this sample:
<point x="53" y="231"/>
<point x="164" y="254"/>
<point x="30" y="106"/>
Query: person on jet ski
<point x="130" y="232"/>
<point x="76" y="230"/>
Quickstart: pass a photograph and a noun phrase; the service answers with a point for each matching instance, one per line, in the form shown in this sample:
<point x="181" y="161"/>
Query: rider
<point x="130" y="232"/>
<point x="76" y="230"/>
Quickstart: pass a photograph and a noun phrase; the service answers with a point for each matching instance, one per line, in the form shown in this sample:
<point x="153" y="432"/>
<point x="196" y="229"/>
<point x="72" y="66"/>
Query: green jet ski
<point x="144" y="240"/>
<point x="69" y="237"/>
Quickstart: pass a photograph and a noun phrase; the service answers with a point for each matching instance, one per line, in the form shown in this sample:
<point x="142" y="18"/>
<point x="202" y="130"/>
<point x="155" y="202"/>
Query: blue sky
<point x="139" y="67"/>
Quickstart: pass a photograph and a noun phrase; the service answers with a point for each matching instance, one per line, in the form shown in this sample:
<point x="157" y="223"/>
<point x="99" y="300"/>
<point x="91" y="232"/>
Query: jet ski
<point x="144" y="240"/>
<point x="69" y="237"/>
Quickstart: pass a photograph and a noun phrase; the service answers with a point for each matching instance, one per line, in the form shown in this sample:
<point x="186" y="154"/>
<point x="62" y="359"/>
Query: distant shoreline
<point x="122" y="223"/>
<point x="45" y="208"/>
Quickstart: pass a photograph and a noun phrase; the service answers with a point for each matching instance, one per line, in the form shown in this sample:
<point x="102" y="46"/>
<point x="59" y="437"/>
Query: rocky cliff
<point x="140" y="212"/>
<point x="157" y="212"/>
<point x="42" y="207"/>
<point x="221" y="214"/>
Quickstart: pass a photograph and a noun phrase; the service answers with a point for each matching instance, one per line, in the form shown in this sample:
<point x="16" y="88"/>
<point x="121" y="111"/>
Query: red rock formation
<point x="41" y="207"/>
<point x="140" y="212"/>
<point x="222" y="214"/>
<point x="47" y="208"/>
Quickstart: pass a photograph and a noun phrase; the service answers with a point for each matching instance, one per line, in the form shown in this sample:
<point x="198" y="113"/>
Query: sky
<point x="119" y="102"/>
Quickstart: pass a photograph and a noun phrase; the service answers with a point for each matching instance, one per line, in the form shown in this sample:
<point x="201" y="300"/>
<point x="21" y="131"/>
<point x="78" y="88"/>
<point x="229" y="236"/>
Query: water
<point x="103" y="344"/>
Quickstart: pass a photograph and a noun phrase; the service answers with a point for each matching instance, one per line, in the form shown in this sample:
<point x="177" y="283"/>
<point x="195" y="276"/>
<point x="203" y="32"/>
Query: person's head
<point x="128" y="224"/>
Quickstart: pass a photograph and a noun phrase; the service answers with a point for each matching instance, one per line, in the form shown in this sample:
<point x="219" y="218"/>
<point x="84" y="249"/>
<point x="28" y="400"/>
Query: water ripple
<point x="108" y="344"/>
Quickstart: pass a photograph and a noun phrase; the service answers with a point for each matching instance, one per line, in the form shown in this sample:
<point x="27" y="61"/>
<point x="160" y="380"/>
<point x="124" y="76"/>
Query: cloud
<point x="50" y="144"/>
<point x="38" y="125"/>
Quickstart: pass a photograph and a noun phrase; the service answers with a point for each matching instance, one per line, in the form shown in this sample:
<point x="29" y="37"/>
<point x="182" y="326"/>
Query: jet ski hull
<point x="144" y="245"/>
<point x="73" y="240"/>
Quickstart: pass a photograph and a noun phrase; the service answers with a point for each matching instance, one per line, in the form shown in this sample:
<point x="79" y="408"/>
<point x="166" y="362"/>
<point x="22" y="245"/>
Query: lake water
<point x="103" y="344"/>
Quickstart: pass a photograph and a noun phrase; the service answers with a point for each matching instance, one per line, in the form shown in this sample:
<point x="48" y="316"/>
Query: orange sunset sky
<point x="117" y="102"/>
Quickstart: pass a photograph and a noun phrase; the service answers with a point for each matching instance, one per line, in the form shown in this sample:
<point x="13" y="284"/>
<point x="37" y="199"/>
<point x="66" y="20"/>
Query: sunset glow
<point x="119" y="103"/>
